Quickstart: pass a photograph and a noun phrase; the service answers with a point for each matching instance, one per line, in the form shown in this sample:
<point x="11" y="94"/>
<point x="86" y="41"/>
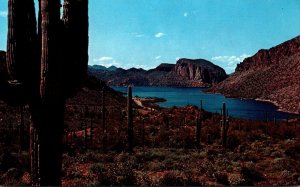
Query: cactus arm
<point x="21" y="50"/>
<point x="75" y="20"/>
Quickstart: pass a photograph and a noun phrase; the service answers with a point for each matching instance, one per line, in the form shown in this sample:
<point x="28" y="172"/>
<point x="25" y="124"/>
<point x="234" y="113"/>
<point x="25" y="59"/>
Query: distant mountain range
<point x="272" y="75"/>
<point x="185" y="73"/>
<point x="99" y="67"/>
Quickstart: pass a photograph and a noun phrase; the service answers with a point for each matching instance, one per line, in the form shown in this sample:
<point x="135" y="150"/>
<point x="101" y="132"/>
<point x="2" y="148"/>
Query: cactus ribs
<point x="36" y="64"/>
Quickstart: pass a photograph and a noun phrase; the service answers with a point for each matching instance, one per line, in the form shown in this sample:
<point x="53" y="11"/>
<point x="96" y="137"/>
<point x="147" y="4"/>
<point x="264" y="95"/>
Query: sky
<point x="146" y="33"/>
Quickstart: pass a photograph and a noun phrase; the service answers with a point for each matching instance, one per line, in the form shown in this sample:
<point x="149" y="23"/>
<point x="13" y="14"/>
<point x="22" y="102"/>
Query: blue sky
<point x="145" y="33"/>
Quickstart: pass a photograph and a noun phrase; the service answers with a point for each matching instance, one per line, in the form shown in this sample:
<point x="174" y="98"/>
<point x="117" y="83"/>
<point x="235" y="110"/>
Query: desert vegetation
<point x="59" y="126"/>
<point x="165" y="147"/>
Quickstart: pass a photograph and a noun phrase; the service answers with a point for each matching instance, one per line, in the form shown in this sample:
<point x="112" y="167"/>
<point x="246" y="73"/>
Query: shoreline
<point x="280" y="108"/>
<point x="148" y="103"/>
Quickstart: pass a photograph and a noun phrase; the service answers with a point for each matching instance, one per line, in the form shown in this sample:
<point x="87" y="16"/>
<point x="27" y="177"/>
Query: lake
<point x="240" y="108"/>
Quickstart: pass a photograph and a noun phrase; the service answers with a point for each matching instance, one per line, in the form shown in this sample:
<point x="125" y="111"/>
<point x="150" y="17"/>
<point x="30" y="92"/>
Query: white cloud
<point x="157" y="57"/>
<point x="106" y="61"/>
<point x="159" y="35"/>
<point x="136" y="34"/>
<point x="139" y="35"/>
<point x="103" y="59"/>
<point x="230" y="60"/>
<point x="185" y="14"/>
<point x="3" y="14"/>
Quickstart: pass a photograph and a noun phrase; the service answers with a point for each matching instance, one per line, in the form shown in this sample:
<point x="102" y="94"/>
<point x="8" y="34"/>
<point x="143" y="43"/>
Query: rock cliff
<point x="272" y="75"/>
<point x="274" y="55"/>
<point x="200" y="70"/>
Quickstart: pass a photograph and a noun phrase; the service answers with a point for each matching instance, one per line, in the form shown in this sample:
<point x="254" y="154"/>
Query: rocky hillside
<point x="272" y="75"/>
<point x="185" y="73"/>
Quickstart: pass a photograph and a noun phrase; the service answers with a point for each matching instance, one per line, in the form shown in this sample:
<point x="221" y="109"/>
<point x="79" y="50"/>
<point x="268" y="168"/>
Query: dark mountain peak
<point x="97" y="67"/>
<point x="112" y="68"/>
<point x="136" y="69"/>
<point x="165" y="67"/>
<point x="197" y="62"/>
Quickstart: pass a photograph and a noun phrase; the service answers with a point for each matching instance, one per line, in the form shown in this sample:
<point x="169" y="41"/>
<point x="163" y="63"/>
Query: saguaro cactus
<point x="224" y="125"/>
<point x="91" y="132"/>
<point x="104" y="138"/>
<point x="36" y="64"/>
<point x="130" y="119"/>
<point x="198" y="130"/>
<point x="199" y="126"/>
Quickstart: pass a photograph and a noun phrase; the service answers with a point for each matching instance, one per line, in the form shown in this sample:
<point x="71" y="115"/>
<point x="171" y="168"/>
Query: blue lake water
<point x="247" y="109"/>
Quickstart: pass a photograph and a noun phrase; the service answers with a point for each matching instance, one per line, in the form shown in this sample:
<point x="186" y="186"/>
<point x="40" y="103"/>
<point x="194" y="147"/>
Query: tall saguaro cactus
<point x="198" y="131"/>
<point x="36" y="65"/>
<point x="199" y="126"/>
<point x="130" y="119"/>
<point x="224" y="125"/>
<point x="104" y="139"/>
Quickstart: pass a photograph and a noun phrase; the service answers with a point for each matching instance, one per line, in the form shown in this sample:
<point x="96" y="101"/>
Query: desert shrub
<point x="11" y="177"/>
<point x="155" y="154"/>
<point x="293" y="150"/>
<point x="233" y="141"/>
<point x="199" y="155"/>
<point x="287" y="132"/>
<point x="97" y="168"/>
<point x="236" y="180"/>
<point x="211" y="128"/>
<point x="222" y="164"/>
<point x="171" y="164"/>
<point x="282" y="132"/>
<point x="183" y="137"/>
<point x="251" y="175"/>
<point x="280" y="164"/>
<point x="155" y="166"/>
<point x="173" y="178"/>
<point x="194" y="178"/>
<point x="250" y="156"/>
<point x="143" y="179"/>
<point x="118" y="174"/>
<point x="7" y="161"/>
<point x="206" y="167"/>
<point x="222" y="178"/>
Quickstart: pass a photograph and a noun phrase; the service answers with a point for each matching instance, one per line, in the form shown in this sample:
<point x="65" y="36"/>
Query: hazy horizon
<point x="144" y="34"/>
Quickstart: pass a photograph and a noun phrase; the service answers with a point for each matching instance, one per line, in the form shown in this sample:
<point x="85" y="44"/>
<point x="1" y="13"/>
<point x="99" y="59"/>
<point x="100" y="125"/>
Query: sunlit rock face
<point x="200" y="70"/>
<point x="272" y="75"/>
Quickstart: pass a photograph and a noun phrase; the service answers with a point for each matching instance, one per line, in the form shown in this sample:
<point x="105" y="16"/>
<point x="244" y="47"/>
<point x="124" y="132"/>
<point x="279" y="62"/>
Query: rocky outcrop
<point x="185" y="73"/>
<point x="200" y="70"/>
<point x="272" y="75"/>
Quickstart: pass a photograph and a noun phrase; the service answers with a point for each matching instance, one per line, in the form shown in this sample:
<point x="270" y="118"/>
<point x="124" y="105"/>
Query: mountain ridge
<point x="185" y="73"/>
<point x="270" y="75"/>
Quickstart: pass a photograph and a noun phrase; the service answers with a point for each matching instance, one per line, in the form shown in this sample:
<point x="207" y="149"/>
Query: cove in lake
<point x="240" y="108"/>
